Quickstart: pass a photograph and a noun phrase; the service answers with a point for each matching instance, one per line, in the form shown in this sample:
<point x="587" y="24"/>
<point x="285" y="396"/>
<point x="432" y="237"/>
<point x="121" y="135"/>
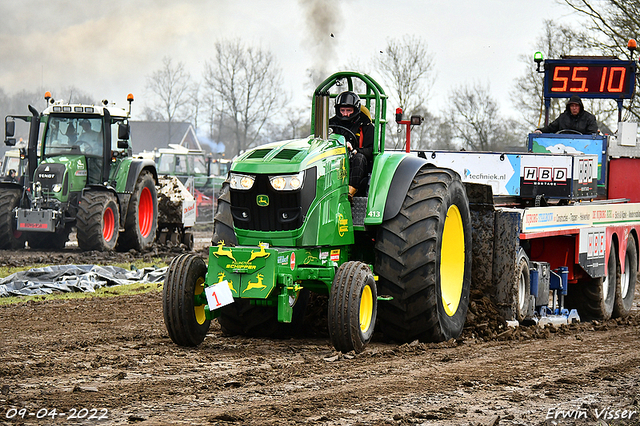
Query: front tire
<point x="97" y="221"/>
<point x="10" y="237"/>
<point x="185" y="320"/>
<point x="141" y="222"/>
<point x="353" y="304"/>
<point x="626" y="285"/>
<point x="423" y="259"/>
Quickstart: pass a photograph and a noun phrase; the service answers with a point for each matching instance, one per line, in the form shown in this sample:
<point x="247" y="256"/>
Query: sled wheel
<point x="626" y="285"/>
<point x="423" y="259"/>
<point x="185" y="320"/>
<point x="594" y="297"/>
<point x="353" y="303"/>
<point x="223" y="221"/>
<point x="142" y="215"/>
<point x="97" y="221"/>
<point x="10" y="237"/>
<point x="523" y="285"/>
<point x="187" y="240"/>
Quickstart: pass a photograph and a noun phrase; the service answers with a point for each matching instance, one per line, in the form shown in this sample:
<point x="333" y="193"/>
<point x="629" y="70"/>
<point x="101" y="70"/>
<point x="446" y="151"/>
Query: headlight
<point x="287" y="182"/>
<point x="56" y="187"/>
<point x="237" y="181"/>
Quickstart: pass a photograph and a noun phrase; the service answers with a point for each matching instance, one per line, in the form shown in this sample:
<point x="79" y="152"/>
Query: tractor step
<point x="358" y="210"/>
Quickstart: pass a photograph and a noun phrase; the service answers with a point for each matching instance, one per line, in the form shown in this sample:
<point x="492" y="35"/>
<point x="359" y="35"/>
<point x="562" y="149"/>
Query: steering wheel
<point x="87" y="147"/>
<point x="350" y="135"/>
<point x="559" y="132"/>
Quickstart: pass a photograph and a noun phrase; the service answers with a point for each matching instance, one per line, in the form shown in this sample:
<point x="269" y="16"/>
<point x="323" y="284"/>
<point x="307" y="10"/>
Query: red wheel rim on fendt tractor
<point x="108" y="223"/>
<point x="145" y="212"/>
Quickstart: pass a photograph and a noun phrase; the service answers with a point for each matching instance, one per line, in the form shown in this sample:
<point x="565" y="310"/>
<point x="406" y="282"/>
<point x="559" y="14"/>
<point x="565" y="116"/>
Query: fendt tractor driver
<point x="351" y="122"/>
<point x="574" y="117"/>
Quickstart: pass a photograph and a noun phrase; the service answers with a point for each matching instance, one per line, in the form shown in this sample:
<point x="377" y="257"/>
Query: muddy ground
<point x="113" y="357"/>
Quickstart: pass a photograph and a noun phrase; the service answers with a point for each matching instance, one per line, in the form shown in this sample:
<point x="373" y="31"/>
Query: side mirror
<point x="9" y="132"/>
<point x="123" y="135"/>
<point x="123" y="132"/>
<point x="9" y="129"/>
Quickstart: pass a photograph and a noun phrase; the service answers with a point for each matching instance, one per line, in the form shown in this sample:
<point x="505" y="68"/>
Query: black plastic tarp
<point x="74" y="278"/>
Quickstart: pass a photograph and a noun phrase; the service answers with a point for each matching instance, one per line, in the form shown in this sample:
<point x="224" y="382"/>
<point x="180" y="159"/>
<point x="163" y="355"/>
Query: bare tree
<point x="556" y="41"/>
<point x="475" y="119"/>
<point x="294" y="125"/>
<point x="247" y="84"/>
<point x="434" y="132"/>
<point x="611" y="24"/>
<point x="170" y="90"/>
<point x="407" y="70"/>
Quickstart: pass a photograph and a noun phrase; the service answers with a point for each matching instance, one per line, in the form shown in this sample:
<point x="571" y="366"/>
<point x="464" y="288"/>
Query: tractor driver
<point x="91" y="140"/>
<point x="351" y="123"/>
<point x="574" y="118"/>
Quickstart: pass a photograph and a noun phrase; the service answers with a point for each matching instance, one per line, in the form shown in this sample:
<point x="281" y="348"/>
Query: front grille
<point x="285" y="211"/>
<point x="48" y="175"/>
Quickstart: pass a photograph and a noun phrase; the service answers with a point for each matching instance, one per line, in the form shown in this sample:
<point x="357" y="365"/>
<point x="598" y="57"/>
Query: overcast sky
<point x="109" y="48"/>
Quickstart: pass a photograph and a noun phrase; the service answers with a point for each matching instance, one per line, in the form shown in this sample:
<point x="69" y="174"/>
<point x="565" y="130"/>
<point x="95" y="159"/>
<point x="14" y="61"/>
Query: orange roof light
<point x="130" y="97"/>
<point x="632" y="45"/>
<point x="47" y="95"/>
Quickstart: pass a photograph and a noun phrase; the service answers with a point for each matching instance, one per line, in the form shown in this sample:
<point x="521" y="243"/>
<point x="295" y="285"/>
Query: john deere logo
<point x="262" y="200"/>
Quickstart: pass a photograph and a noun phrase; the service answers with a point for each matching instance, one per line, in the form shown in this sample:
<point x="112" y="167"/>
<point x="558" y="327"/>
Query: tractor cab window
<point x="181" y="165"/>
<point x="166" y="164"/>
<point x="199" y="165"/>
<point x="73" y="135"/>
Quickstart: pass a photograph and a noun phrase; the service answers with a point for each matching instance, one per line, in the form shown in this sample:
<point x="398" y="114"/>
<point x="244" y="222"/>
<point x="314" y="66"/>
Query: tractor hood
<point x="57" y="176"/>
<point x="292" y="193"/>
<point x="289" y="156"/>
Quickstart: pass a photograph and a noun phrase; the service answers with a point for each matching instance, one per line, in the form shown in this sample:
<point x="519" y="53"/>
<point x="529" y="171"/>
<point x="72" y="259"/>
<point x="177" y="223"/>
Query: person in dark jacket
<point x="574" y="118"/>
<point x="357" y="129"/>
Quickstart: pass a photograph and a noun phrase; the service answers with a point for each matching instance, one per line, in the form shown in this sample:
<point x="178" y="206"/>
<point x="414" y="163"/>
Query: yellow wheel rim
<point x="366" y="308"/>
<point x="199" y="310"/>
<point x="452" y="261"/>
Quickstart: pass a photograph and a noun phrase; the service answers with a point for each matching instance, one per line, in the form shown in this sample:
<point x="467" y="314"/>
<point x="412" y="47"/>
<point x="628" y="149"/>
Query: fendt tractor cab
<point x="79" y="174"/>
<point x="285" y="226"/>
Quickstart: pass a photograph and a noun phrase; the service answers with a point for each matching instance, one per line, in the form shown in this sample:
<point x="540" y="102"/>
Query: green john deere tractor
<point x="285" y="226"/>
<point x="80" y="175"/>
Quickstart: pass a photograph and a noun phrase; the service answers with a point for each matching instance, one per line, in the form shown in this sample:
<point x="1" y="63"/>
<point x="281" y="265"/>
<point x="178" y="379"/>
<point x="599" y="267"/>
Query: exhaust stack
<point x="321" y="118"/>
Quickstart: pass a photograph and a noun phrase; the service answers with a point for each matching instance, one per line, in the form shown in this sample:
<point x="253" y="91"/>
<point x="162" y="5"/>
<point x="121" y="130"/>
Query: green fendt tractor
<point x="285" y="226"/>
<point x="80" y="174"/>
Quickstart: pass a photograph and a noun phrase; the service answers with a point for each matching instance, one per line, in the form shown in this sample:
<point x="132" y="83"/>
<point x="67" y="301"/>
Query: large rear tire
<point x="98" y="221"/>
<point x="352" y="307"/>
<point x="10" y="237"/>
<point x="626" y="285"/>
<point x="141" y="222"/>
<point x="185" y="321"/>
<point x="423" y="259"/>
<point x="594" y="297"/>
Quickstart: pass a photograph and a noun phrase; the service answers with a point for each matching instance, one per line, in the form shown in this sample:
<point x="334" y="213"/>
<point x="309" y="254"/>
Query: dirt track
<point x="113" y="355"/>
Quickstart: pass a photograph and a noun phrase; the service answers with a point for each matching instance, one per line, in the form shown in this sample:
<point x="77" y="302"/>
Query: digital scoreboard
<point x="589" y="78"/>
